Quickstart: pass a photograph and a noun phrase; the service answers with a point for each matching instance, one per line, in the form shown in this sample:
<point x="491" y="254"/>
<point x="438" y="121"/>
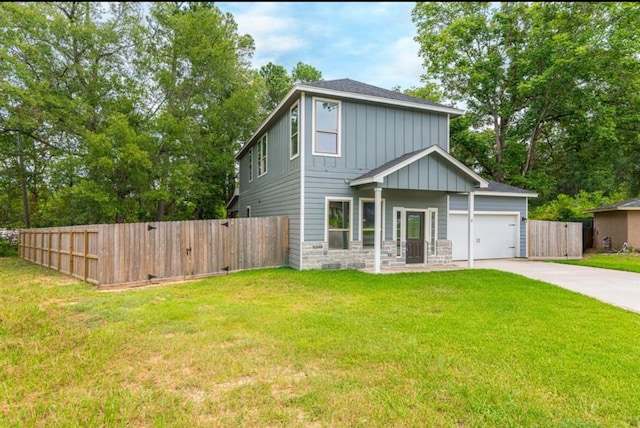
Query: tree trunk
<point x="23" y="184"/>
<point x="499" y="126"/>
<point x="160" y="210"/>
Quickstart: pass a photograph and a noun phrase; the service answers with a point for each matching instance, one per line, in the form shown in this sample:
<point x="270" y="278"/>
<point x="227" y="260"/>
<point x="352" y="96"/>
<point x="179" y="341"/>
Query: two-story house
<point x="366" y="178"/>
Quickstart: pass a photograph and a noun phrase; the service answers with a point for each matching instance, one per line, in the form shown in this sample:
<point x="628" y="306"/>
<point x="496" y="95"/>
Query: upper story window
<point x="326" y="127"/>
<point x="250" y="160"/>
<point x="262" y="155"/>
<point x="295" y="131"/>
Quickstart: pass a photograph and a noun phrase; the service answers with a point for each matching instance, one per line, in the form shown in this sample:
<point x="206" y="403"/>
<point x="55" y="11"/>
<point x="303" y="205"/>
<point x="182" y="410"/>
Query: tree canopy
<point x="551" y="89"/>
<point x="114" y="113"/>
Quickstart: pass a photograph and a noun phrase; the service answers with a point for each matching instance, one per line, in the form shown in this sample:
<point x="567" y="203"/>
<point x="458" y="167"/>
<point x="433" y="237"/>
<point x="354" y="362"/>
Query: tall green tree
<point x="64" y="72"/>
<point x="279" y="83"/>
<point x="203" y="102"/>
<point x="537" y="79"/>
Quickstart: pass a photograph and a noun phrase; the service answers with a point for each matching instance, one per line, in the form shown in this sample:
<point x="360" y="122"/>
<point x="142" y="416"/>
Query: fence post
<point x="59" y="250"/>
<point x="71" y="252"/>
<point x="86" y="258"/>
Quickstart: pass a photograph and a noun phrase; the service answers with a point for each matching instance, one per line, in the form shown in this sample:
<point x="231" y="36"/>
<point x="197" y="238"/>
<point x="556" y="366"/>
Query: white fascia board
<point x="260" y="129"/>
<point x="351" y="95"/>
<point x="379" y="178"/>
<point x="483" y="183"/>
<point x="512" y="194"/>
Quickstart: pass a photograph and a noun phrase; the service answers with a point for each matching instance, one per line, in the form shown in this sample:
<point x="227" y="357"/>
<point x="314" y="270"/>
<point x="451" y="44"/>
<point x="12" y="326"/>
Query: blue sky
<point x="371" y="42"/>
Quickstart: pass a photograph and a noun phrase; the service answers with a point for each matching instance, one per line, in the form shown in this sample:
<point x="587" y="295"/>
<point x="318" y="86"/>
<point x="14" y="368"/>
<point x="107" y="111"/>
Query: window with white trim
<point x="295" y="131"/>
<point x="368" y="221"/>
<point x="262" y="156"/>
<point x="397" y="215"/>
<point x="326" y="127"/>
<point x="250" y="160"/>
<point x="433" y="229"/>
<point x="338" y="224"/>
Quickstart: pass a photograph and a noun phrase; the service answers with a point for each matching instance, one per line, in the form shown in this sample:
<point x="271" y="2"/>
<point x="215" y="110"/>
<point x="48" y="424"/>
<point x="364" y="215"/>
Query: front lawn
<point x="627" y="262"/>
<point x="277" y="347"/>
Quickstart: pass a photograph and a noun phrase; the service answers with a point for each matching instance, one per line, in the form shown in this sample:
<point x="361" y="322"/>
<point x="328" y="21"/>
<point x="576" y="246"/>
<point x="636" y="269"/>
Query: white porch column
<point x="377" y="234"/>
<point x="470" y="228"/>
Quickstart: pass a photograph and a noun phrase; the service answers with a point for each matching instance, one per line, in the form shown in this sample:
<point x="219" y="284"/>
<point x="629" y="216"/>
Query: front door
<point x="415" y="237"/>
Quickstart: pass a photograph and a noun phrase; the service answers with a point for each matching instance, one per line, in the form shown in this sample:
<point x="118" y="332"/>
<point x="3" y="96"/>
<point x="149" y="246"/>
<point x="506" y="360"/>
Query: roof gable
<point x="352" y="90"/>
<point x="378" y="175"/>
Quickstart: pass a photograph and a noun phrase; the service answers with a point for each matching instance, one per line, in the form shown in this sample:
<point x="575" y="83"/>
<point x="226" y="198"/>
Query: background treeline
<point x="119" y="112"/>
<point x="124" y="112"/>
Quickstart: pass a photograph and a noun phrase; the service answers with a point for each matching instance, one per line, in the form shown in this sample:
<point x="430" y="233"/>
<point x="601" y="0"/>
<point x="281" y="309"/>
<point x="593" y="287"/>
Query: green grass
<point x="626" y="262"/>
<point x="277" y="347"/>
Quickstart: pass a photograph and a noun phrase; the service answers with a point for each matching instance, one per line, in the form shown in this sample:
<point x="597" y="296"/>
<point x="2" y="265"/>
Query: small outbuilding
<point x="616" y="224"/>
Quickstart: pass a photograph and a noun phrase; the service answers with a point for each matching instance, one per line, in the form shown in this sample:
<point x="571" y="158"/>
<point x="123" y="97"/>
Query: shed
<point x="616" y="224"/>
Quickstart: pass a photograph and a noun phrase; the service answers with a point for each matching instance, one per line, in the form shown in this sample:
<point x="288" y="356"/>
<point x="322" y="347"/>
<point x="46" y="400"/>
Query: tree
<point x="537" y="78"/>
<point x="63" y="72"/>
<point x="279" y="83"/>
<point x="203" y="102"/>
<point x="305" y="73"/>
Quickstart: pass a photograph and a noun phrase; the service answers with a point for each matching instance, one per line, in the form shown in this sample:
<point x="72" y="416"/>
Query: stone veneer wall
<point x="316" y="255"/>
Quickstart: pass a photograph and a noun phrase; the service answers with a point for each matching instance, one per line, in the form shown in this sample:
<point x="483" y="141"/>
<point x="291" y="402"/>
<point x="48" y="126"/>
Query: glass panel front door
<point x="415" y="237"/>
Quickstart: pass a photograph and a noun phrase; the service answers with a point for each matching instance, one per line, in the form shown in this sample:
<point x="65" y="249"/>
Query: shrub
<point x="8" y="242"/>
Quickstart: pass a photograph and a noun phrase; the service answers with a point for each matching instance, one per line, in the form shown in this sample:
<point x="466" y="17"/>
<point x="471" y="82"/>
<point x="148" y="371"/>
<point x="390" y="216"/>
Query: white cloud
<point x="404" y="66"/>
<point x="371" y="42"/>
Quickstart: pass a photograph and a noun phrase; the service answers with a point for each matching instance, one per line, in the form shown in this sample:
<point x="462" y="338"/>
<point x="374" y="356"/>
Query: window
<point x="368" y="215"/>
<point x="433" y="229"/>
<point x="338" y="224"/>
<point x="326" y="136"/>
<point x="262" y="155"/>
<point x="250" y="165"/>
<point x="398" y="231"/>
<point x="295" y="131"/>
<point x="248" y="211"/>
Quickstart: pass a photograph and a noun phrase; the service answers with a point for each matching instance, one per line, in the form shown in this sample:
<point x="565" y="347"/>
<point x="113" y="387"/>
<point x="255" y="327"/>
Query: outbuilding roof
<point x="628" y="205"/>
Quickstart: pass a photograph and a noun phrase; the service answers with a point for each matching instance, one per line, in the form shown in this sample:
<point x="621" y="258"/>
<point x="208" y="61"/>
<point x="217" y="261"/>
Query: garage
<point x="496" y="235"/>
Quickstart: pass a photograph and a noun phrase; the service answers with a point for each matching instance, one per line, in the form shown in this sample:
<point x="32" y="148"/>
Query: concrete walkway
<point x="618" y="288"/>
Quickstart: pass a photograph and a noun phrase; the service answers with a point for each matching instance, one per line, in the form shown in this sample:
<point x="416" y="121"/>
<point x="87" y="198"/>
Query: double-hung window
<point x="250" y="160"/>
<point x="326" y="127"/>
<point x="338" y="219"/>
<point x="295" y="131"/>
<point x="262" y="155"/>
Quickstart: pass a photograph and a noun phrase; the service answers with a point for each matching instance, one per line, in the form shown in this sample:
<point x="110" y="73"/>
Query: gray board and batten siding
<point x="376" y="127"/>
<point x="277" y="192"/>
<point x="370" y="136"/>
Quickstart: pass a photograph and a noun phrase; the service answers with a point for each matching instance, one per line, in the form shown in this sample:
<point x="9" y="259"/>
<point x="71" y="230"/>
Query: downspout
<point x="302" y="106"/>
<point x="471" y="209"/>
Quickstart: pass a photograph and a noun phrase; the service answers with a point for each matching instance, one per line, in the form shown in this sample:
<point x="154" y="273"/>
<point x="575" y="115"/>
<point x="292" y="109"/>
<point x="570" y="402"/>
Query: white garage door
<point x="496" y="235"/>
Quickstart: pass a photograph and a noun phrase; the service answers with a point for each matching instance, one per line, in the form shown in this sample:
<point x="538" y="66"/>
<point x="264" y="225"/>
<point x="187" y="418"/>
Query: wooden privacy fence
<point x="138" y="253"/>
<point x="554" y="239"/>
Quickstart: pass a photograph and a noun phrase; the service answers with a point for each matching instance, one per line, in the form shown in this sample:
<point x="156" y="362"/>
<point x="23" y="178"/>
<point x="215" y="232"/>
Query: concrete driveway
<point x="618" y="288"/>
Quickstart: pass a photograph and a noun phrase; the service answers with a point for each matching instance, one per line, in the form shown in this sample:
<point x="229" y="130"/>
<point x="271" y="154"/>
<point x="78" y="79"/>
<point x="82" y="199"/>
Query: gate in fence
<point x="554" y="239"/>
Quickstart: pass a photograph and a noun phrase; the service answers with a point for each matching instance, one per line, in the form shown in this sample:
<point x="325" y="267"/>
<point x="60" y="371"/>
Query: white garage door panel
<point x="496" y="236"/>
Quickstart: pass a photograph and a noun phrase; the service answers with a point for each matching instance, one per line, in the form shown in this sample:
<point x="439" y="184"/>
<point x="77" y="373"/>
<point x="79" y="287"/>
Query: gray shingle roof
<point x="494" y="186"/>
<point x="623" y="205"/>
<point x="355" y="87"/>
<point x="389" y="164"/>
